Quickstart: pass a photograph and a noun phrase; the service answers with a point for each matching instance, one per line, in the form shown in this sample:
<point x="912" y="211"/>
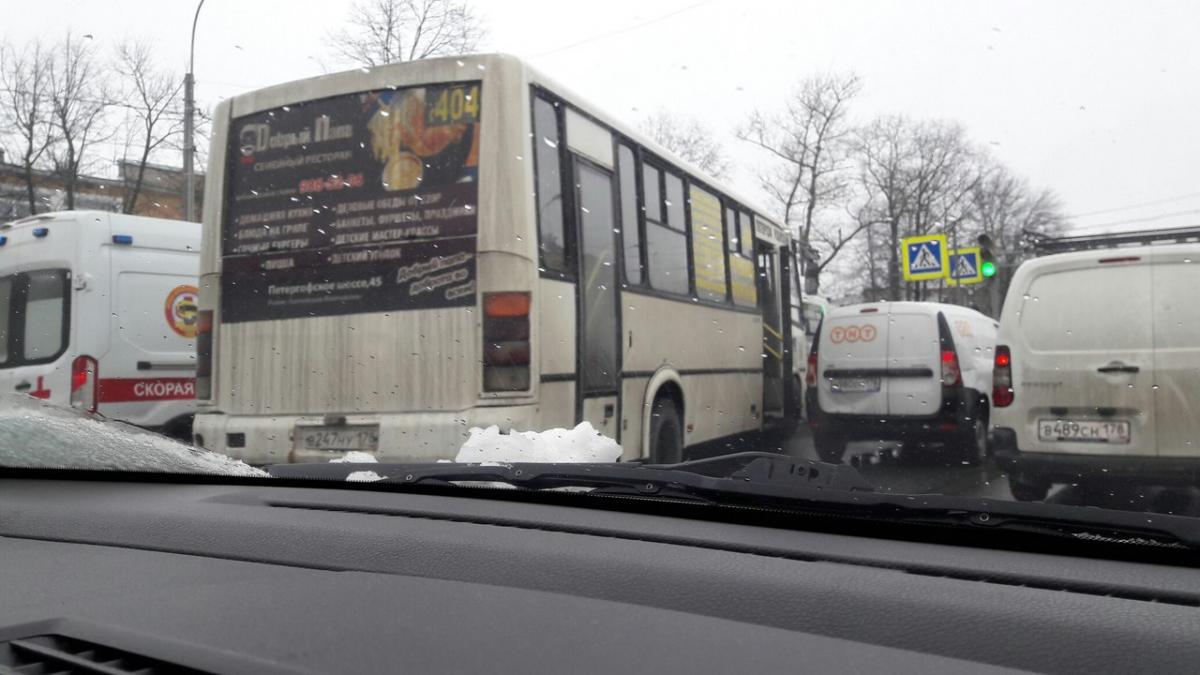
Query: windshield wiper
<point x="767" y="480"/>
<point x="759" y="475"/>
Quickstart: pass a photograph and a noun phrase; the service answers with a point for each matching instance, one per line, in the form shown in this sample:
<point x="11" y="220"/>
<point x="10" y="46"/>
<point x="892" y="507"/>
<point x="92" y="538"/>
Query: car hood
<point x="36" y="434"/>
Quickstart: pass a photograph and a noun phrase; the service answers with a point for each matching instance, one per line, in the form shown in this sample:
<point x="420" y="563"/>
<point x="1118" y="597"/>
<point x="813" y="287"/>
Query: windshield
<point x="950" y="247"/>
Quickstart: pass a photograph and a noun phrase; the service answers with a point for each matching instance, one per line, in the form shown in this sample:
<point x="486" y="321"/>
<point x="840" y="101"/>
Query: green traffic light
<point x="988" y="268"/>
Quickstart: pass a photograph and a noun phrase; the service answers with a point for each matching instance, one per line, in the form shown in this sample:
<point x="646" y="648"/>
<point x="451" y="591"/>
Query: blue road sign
<point x="925" y="257"/>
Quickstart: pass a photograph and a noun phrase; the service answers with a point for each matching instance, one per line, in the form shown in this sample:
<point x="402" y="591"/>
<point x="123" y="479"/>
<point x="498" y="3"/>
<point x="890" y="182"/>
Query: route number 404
<point x="452" y="105"/>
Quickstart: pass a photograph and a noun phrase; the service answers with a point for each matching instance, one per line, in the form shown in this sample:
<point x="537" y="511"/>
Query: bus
<point x="392" y="256"/>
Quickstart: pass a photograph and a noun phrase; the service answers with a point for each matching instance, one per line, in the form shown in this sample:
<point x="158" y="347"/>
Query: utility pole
<point x="189" y="141"/>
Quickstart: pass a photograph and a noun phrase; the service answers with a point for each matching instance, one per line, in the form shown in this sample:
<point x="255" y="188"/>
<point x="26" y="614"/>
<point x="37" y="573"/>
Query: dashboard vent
<point x="71" y="656"/>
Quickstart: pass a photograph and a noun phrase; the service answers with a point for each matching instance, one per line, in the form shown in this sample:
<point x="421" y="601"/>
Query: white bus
<point x="392" y="256"/>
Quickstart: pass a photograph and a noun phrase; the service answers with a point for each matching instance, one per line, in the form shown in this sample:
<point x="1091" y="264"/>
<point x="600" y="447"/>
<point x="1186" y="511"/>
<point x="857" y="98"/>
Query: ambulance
<point x="98" y="312"/>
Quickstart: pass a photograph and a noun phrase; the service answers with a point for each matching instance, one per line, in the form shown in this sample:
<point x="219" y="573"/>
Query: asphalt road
<point x="928" y="471"/>
<point x="923" y="471"/>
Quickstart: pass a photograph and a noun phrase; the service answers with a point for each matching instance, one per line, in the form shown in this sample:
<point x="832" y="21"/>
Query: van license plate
<point x="854" y="385"/>
<point x="362" y="437"/>
<point x="1087" y="431"/>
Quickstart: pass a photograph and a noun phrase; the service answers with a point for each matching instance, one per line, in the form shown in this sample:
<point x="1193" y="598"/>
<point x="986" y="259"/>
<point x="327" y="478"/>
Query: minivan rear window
<point x="34" y="317"/>
<point x="1094" y="309"/>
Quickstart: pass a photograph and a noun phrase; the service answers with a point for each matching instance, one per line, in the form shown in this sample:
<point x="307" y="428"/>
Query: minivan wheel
<point x="1027" y="490"/>
<point x="830" y="446"/>
<point x="666" y="433"/>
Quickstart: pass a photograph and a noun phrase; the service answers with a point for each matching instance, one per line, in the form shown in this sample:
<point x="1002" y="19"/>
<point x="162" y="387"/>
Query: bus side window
<point x="740" y="244"/>
<point x="666" y="242"/>
<point x="552" y="235"/>
<point x="747" y="238"/>
<point x="631" y="239"/>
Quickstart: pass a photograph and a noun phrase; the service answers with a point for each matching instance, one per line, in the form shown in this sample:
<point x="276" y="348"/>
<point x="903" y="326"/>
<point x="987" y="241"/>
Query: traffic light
<point x="987" y="261"/>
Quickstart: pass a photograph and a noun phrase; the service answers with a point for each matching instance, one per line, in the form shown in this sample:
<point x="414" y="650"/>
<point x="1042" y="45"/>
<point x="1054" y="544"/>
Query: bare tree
<point x="390" y="31"/>
<point x="154" y="116"/>
<point x="808" y="143"/>
<point x="26" y="108"/>
<point x="915" y="178"/>
<point x="689" y="139"/>
<point x="77" y="85"/>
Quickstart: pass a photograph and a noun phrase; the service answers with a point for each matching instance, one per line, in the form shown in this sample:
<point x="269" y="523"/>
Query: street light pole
<point x="189" y="143"/>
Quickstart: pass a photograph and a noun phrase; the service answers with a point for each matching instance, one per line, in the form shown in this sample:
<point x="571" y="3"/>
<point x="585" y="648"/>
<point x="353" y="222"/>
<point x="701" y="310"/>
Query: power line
<point x="1134" y="221"/>
<point x="626" y="29"/>
<point x="1130" y="207"/>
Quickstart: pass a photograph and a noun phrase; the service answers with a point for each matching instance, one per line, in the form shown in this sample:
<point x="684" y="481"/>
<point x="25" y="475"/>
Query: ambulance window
<point x="6" y="289"/>
<point x="45" y="315"/>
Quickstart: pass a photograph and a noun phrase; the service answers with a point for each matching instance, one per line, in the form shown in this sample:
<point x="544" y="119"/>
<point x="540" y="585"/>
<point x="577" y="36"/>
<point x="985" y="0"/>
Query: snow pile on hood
<point x="35" y="434"/>
<point x="358" y="457"/>
<point x="565" y="446"/>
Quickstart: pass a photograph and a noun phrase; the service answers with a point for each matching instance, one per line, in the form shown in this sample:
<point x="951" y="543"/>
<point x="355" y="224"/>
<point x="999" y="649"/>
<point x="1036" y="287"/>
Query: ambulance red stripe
<point x="136" y="389"/>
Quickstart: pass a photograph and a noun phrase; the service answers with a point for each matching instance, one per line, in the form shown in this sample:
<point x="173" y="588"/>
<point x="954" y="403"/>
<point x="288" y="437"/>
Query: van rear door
<point x="914" y="366"/>
<point x="853" y="361"/>
<point x="1084" y="375"/>
<point x="1175" y="275"/>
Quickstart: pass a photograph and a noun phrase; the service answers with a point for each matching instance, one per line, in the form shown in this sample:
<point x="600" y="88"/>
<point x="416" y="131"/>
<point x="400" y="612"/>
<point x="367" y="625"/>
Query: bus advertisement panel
<point x="359" y="203"/>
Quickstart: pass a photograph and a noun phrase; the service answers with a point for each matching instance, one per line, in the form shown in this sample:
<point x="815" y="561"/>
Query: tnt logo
<point x="863" y="333"/>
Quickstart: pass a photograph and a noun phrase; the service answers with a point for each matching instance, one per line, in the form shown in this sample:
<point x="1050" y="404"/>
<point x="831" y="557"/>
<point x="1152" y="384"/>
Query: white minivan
<point x="913" y="372"/>
<point x="1097" y="371"/>
<point x="98" y="311"/>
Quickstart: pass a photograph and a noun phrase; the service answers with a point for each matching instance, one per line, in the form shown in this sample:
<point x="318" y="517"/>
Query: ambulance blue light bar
<point x="41" y="231"/>
<point x="3" y="240"/>
<point x="125" y="239"/>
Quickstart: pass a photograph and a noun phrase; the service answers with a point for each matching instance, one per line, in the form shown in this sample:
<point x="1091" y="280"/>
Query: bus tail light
<point x="1002" y="389"/>
<point x="85" y="383"/>
<point x="204" y="325"/>
<point x="506" y="348"/>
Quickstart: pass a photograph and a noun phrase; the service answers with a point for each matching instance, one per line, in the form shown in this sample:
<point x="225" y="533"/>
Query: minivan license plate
<point x="361" y="437"/>
<point x="855" y="385"/>
<point x="1088" y="431"/>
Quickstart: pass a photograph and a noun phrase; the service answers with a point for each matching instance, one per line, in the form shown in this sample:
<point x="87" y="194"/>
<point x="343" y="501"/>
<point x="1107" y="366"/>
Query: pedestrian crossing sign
<point x="925" y="257"/>
<point x="966" y="266"/>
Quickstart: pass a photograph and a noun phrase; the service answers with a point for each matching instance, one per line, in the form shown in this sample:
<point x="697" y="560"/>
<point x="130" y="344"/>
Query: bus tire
<point x="666" y="433"/>
<point x="830" y="446"/>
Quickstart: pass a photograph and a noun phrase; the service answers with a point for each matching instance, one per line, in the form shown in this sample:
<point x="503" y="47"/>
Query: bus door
<point x="598" y="363"/>
<point x="774" y="337"/>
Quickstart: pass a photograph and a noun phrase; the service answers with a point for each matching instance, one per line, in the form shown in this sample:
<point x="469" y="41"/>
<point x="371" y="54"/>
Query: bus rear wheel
<point x="666" y="433"/>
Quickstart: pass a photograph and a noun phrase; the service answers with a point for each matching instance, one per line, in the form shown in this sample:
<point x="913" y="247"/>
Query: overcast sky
<point x="1094" y="99"/>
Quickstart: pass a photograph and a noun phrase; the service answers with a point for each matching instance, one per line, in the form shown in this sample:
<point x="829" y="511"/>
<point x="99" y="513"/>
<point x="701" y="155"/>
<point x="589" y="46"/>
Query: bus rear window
<point x="357" y="203"/>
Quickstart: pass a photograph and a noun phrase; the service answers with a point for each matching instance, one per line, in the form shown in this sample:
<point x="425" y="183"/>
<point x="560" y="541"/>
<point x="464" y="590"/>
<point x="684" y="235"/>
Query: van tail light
<point x="1002" y="389"/>
<point x="951" y="372"/>
<point x="810" y="375"/>
<point x="85" y="383"/>
<point x="506" y="349"/>
<point x="204" y="354"/>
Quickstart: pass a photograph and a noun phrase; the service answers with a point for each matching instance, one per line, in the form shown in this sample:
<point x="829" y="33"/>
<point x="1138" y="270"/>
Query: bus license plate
<point x="854" y="385"/>
<point x="1088" y="431"/>
<point x="363" y="437"/>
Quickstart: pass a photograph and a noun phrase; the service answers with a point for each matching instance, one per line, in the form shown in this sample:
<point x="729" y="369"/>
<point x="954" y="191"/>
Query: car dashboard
<point x="247" y="577"/>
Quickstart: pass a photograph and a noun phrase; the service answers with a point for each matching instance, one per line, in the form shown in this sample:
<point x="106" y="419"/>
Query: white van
<point x="98" y="311"/>
<point x="1098" y="369"/>
<point x="914" y="372"/>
